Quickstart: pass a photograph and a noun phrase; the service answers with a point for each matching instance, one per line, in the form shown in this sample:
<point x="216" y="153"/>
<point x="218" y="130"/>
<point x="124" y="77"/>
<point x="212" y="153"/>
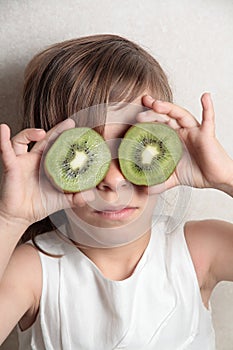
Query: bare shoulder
<point x="26" y="260"/>
<point x="21" y="286"/>
<point x="210" y="243"/>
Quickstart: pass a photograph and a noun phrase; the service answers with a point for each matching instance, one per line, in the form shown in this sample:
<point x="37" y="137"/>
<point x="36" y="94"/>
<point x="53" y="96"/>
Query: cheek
<point x="146" y="202"/>
<point x="144" y="195"/>
<point x="81" y="212"/>
<point x="73" y="214"/>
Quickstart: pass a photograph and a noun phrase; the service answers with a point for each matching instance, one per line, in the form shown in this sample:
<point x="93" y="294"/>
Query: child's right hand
<point x="26" y="195"/>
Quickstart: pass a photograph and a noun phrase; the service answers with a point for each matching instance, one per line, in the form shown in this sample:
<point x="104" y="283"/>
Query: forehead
<point x="120" y="117"/>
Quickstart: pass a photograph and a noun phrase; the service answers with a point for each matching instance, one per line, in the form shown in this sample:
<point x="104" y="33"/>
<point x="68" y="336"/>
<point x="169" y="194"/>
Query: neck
<point x="118" y="263"/>
<point x="115" y="251"/>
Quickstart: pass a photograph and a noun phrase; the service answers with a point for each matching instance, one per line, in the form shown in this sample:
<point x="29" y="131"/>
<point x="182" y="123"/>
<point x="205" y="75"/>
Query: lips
<point x="116" y="213"/>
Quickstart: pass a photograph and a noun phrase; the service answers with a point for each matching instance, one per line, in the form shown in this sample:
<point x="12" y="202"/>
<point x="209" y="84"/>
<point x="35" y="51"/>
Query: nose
<point x="114" y="180"/>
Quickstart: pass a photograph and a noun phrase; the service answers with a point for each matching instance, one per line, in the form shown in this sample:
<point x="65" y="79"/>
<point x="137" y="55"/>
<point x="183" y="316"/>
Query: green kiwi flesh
<point x="149" y="153"/>
<point x="78" y="160"/>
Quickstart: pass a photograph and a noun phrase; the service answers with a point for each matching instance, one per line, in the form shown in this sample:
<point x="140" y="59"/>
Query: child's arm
<point x="210" y="241"/>
<point x="26" y="196"/>
<point x="211" y="245"/>
<point x="20" y="289"/>
<point x="16" y="296"/>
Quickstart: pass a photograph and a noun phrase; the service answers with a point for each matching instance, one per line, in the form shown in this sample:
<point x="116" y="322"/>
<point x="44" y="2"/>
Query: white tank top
<point x="159" y="307"/>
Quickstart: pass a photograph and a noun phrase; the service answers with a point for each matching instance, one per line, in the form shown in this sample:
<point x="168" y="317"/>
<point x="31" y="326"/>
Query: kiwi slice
<point x="78" y="160"/>
<point x="149" y="153"/>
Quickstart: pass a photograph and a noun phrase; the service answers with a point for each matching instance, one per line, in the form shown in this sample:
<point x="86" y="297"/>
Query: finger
<point x="52" y="134"/>
<point x="183" y="117"/>
<point x="151" y="116"/>
<point x="22" y="139"/>
<point x="7" y="152"/>
<point x="208" y="118"/>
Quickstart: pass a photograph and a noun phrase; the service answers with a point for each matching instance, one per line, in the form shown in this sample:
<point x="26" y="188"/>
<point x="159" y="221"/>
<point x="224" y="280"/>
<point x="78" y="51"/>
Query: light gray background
<point x="191" y="39"/>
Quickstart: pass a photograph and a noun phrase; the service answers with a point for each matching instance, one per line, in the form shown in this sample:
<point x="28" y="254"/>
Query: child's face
<point x="117" y="202"/>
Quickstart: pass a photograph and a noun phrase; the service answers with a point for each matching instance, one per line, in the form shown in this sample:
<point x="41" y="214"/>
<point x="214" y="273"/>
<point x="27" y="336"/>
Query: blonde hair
<point x="90" y="71"/>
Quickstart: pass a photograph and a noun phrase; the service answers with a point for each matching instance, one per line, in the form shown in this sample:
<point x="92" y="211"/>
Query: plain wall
<point x="191" y="39"/>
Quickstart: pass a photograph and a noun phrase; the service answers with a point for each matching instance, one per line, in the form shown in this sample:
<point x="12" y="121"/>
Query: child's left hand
<point x="205" y="164"/>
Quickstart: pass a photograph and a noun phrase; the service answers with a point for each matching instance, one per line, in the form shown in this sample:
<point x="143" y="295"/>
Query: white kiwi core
<point x="148" y="154"/>
<point x="79" y="160"/>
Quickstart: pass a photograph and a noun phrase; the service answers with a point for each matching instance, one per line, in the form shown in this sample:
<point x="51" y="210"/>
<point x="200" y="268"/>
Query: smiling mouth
<point x="116" y="213"/>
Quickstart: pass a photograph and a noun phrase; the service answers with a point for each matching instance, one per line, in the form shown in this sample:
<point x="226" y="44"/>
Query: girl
<point x="108" y="275"/>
